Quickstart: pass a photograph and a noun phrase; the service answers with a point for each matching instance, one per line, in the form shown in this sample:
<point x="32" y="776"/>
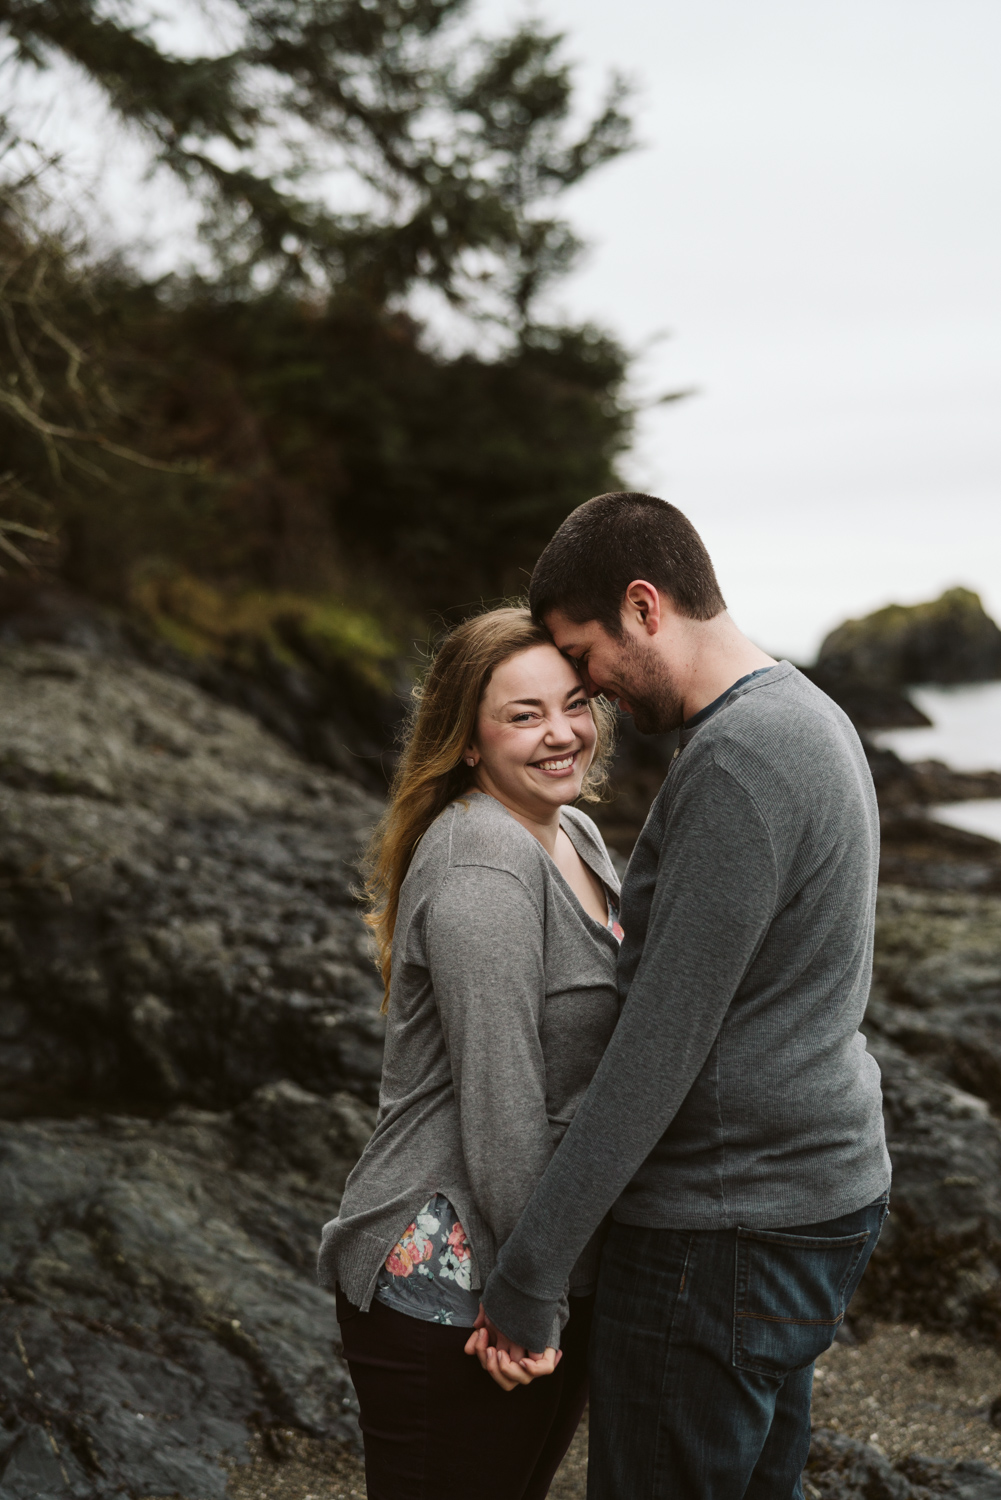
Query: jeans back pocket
<point x="790" y="1295"/>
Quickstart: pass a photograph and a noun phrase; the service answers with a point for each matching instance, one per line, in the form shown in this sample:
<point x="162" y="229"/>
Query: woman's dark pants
<point x="434" y="1422"/>
<point x="702" y="1355"/>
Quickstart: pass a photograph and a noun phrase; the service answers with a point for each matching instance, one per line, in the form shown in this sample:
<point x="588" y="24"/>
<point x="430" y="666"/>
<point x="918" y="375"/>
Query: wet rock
<point x="176" y="911"/>
<point x="839" y="1468"/>
<point x="290" y="678"/>
<point x="938" y="1260"/>
<point x="284" y="1127"/>
<point x="908" y="785"/>
<point x="916" y="850"/>
<point x="937" y="990"/>
<point x="869" y="705"/>
<point x="157" y="1298"/>
<point x="932" y="1026"/>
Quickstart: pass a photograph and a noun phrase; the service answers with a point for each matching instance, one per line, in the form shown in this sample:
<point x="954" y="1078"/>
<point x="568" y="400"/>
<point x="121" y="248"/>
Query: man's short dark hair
<point x="608" y="542"/>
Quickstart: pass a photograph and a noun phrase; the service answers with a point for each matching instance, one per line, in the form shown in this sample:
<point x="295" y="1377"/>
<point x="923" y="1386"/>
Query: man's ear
<point x="642" y="607"/>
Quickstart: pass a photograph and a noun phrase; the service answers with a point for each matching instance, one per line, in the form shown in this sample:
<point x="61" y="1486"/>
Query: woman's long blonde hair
<point x="432" y="771"/>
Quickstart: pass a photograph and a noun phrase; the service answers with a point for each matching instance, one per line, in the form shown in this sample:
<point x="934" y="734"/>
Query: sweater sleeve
<point x="713" y="900"/>
<point x="485" y="952"/>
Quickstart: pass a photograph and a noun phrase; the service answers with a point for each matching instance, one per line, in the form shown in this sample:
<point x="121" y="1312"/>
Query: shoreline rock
<point x="840" y="1468"/>
<point x="159" y="1302"/>
<point x="177" y="916"/>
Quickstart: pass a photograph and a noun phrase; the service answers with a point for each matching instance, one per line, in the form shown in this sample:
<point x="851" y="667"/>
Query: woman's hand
<point x="504" y="1361"/>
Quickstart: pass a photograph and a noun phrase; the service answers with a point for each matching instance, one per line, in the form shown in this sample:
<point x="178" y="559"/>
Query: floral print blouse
<point x="427" y="1273"/>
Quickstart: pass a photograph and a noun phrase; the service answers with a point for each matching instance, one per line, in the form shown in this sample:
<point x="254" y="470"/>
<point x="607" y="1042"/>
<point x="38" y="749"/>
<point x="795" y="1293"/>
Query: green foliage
<point x="336" y="449"/>
<point x="202" y="621"/>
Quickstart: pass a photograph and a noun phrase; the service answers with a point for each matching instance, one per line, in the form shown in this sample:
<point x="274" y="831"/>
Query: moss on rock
<point x="949" y="639"/>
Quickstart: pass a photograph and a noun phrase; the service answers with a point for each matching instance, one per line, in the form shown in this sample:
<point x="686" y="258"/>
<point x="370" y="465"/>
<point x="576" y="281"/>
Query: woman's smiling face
<point x="535" y="737"/>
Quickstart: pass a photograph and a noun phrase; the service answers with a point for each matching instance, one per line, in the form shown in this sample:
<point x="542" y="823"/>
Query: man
<point x="734" y="1127"/>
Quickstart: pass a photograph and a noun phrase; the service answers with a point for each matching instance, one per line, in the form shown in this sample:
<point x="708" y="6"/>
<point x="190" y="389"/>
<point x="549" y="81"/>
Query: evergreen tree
<point x="461" y="143"/>
<point x="285" y="423"/>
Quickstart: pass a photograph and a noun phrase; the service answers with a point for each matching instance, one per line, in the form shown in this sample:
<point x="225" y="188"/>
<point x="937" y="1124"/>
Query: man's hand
<point x="507" y="1362"/>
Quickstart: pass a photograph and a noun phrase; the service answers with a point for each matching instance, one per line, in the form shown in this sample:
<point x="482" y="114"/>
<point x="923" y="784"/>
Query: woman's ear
<point x="470" y="756"/>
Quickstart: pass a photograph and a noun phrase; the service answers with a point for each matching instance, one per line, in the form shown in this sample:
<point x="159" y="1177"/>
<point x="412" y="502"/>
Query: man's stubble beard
<point x="657" y="706"/>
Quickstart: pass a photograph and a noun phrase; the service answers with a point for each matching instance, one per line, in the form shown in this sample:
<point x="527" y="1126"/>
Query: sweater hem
<point x="353" y="1265"/>
<point x="809" y="1208"/>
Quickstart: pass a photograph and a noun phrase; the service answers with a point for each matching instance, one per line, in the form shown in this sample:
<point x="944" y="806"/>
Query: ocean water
<point x="966" y="735"/>
<point x="975" y="817"/>
<point x="965" y="732"/>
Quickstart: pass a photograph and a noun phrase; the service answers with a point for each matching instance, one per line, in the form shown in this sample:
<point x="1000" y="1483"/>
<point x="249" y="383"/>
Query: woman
<point x="493" y="902"/>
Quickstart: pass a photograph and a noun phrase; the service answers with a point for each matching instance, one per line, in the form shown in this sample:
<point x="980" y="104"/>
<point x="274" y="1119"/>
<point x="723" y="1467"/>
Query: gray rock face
<point x="186" y="985"/>
<point x="178" y="940"/>
<point x="932" y="1025"/>
<point x="937" y="984"/>
<point x="319" y="702"/>
<point x="159" y="1296"/>
<point x="842" y="1469"/>
<point x="176" y="918"/>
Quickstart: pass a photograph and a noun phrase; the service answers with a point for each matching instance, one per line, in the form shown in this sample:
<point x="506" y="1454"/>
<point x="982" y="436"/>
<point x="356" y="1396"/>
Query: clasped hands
<point x="506" y="1362"/>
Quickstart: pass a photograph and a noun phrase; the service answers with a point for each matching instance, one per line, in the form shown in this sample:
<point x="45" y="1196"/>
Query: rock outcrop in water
<point x="950" y="639"/>
<point x="867" y="665"/>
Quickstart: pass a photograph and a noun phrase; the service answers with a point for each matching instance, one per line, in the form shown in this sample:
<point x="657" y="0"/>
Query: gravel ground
<point x="310" y="1470"/>
<point x="902" y="1390"/>
<point x="906" y="1391"/>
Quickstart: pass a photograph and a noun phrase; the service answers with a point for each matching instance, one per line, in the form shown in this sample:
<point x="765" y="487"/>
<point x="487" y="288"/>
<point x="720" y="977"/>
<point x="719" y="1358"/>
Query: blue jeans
<point x="702" y="1352"/>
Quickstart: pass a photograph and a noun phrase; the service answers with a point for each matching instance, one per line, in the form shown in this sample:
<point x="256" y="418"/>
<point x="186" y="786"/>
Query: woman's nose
<point x="560" y="730"/>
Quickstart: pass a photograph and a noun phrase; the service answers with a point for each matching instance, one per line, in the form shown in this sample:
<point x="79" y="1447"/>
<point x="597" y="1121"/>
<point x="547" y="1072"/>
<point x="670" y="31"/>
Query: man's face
<point x="630" y="671"/>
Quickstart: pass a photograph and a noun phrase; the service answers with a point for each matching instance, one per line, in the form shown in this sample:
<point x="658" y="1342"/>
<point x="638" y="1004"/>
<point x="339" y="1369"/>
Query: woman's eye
<point x="522" y="718"/>
<point x="578" y="703"/>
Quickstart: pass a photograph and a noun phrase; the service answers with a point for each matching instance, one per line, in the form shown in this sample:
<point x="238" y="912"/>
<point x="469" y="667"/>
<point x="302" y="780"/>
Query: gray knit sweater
<point x="502" y="1002"/>
<point x="737" y="1089"/>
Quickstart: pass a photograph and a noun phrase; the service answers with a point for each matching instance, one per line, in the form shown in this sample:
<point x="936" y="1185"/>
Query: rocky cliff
<point x="189" y="1051"/>
<point x="189" y="1054"/>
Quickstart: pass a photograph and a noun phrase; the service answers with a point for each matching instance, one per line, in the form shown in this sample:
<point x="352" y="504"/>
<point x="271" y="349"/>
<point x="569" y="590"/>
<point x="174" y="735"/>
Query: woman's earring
<point x="470" y="761"/>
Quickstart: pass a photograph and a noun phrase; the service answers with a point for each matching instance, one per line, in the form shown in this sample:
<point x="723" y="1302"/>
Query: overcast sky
<point x="816" y="219"/>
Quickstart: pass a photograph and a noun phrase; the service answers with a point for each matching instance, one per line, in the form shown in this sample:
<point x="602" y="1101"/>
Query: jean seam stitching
<point x="426" y="1342"/>
<point x="667" y="1357"/>
<point x="743" y="1360"/>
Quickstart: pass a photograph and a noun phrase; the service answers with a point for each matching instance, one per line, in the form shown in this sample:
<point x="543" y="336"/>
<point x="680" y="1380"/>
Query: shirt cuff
<point x="529" y="1321"/>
